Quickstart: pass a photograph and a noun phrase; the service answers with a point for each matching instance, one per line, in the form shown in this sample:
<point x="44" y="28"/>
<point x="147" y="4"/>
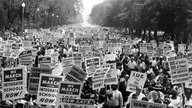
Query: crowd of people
<point x="158" y="87"/>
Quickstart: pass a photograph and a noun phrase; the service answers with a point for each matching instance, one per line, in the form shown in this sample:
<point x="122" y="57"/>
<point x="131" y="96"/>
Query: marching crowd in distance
<point x="157" y="88"/>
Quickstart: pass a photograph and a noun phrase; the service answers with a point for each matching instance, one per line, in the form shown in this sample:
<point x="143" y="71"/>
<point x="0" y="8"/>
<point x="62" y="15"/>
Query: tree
<point x="38" y="13"/>
<point x="169" y="16"/>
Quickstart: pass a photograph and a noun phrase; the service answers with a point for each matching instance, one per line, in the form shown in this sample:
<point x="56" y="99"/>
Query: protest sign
<point x="94" y="61"/>
<point x="67" y="64"/>
<point x="42" y="65"/>
<point x="69" y="89"/>
<point x="189" y="57"/>
<point x="150" y="49"/>
<point x="188" y="106"/>
<point x="7" y="54"/>
<point x="181" y="48"/>
<point x="34" y="78"/>
<point x="143" y="47"/>
<point x="189" y="49"/>
<point x="45" y="61"/>
<point x="58" y="69"/>
<point x="109" y="65"/>
<point x="75" y="75"/>
<point x="7" y="50"/>
<point x="91" y="71"/>
<point x="47" y="89"/>
<point x="78" y="57"/>
<point x="27" y="61"/>
<point x="179" y="69"/>
<point x="74" y="103"/>
<point x="16" y="46"/>
<point x="71" y="41"/>
<point x="190" y="70"/>
<point x="27" y="44"/>
<point x="145" y="104"/>
<point x="98" y="78"/>
<point x="13" y="83"/>
<point x="29" y="106"/>
<point x="27" y="53"/>
<point x="2" y="44"/>
<point x="110" y="57"/>
<point x="170" y="53"/>
<point x="10" y="42"/>
<point x="54" y="58"/>
<point x="111" y="77"/>
<point x="136" y="79"/>
<point x="159" y="52"/>
<point x="67" y="61"/>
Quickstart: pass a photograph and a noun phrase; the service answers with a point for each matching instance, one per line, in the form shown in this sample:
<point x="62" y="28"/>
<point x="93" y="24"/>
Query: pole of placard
<point x="183" y="96"/>
<point x="14" y="103"/>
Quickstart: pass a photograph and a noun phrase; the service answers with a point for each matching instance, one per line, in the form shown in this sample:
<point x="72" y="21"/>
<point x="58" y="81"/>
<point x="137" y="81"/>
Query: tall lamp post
<point x="23" y="6"/>
<point x="37" y="17"/>
<point x="52" y="18"/>
<point x="57" y="20"/>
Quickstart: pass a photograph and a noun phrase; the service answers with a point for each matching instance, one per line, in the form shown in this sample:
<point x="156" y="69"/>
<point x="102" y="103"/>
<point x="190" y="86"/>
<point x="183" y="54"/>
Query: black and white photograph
<point x="95" y="53"/>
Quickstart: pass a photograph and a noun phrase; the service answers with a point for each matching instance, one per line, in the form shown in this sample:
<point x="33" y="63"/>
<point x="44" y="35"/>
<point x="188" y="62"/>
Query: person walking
<point x="114" y="98"/>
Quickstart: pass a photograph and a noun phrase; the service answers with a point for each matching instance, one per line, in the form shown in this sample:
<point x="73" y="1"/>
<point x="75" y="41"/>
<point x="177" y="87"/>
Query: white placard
<point x="13" y="83"/>
<point x="179" y="69"/>
<point x="74" y="103"/>
<point x="47" y="89"/>
<point x="69" y="89"/>
<point x="98" y="78"/>
<point x="136" y="79"/>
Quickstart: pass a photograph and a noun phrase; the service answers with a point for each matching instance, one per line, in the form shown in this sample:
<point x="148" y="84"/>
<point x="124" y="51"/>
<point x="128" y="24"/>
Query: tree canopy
<point x="169" y="16"/>
<point x="39" y="13"/>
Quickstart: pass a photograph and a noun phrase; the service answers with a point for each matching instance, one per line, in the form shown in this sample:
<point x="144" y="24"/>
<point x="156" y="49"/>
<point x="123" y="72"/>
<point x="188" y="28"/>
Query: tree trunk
<point x="140" y="33"/>
<point x="136" y="32"/>
<point x="125" y="30"/>
<point x="155" y="35"/>
<point x="178" y="38"/>
<point x="185" y="37"/>
<point x="149" y="35"/>
<point x="144" y="35"/>
<point x="131" y="31"/>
